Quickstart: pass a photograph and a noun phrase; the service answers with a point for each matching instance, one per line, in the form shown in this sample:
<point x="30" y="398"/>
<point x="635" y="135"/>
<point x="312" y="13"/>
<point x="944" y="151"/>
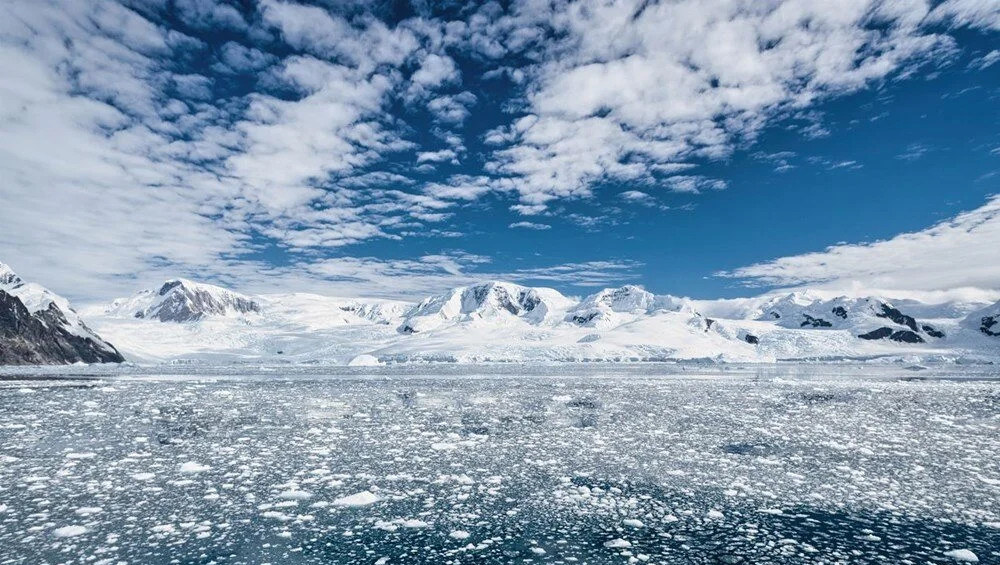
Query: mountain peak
<point x="38" y="326"/>
<point x="7" y="276"/>
<point x="183" y="300"/>
<point x="494" y="300"/>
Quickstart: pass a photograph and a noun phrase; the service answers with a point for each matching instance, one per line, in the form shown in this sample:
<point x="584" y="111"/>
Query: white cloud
<point x="530" y="226"/>
<point x="694" y="184"/>
<point x="982" y="14"/>
<point x="115" y="163"/>
<point x="209" y="14"/>
<point x="638" y="197"/>
<point x="986" y="61"/>
<point x="435" y="71"/>
<point x="960" y="252"/>
<point x="444" y="155"/>
<point x="452" y="109"/>
<point x="630" y="85"/>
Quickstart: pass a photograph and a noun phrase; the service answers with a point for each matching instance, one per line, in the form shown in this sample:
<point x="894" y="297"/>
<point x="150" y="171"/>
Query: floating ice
<point x="963" y="555"/>
<point x="617" y="543"/>
<point x="363" y="498"/>
<point x="192" y="467"/>
<point x="69" y="531"/>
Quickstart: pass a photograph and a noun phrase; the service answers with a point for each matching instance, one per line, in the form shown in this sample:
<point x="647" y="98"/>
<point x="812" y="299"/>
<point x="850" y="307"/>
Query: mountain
<point x="39" y="327"/>
<point x="985" y="321"/>
<point x="182" y="319"/>
<point x="868" y="318"/>
<point x="614" y="306"/>
<point x="181" y="300"/>
<point x="496" y="302"/>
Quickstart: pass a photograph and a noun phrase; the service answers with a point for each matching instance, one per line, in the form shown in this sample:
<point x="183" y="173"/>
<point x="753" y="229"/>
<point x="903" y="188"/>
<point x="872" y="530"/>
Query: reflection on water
<point x="499" y="469"/>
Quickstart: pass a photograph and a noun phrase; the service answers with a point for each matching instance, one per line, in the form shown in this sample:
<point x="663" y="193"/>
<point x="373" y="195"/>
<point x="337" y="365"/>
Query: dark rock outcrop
<point x="903" y="336"/>
<point x="41" y="338"/>
<point x="896" y="316"/>
<point x="880" y="333"/>
<point x="815" y="322"/>
<point x="990" y="325"/>
<point x="932" y="331"/>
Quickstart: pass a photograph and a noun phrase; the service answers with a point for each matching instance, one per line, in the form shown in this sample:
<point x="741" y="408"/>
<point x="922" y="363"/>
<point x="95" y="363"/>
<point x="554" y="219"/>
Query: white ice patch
<point x="192" y="467"/>
<point x="89" y="510"/>
<point x="363" y="498"/>
<point x="295" y="495"/>
<point x="618" y="543"/>
<point x="69" y="531"/>
<point x="963" y="555"/>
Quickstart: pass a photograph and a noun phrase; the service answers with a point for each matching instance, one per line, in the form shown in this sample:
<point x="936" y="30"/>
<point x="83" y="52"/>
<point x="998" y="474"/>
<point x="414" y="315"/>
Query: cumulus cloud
<point x="959" y="252"/>
<point x="629" y="85"/>
<point x="530" y="226"/>
<point x="452" y="109"/>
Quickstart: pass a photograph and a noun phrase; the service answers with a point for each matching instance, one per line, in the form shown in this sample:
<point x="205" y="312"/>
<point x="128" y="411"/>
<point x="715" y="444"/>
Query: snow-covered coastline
<point x="499" y="322"/>
<point x="182" y="321"/>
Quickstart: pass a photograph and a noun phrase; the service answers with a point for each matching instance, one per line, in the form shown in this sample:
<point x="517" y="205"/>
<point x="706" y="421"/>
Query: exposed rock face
<point x="990" y="325"/>
<point x="896" y="316"/>
<point x="47" y="337"/>
<point x="932" y="331"/>
<point x="903" y="336"/>
<point x="816" y="322"/>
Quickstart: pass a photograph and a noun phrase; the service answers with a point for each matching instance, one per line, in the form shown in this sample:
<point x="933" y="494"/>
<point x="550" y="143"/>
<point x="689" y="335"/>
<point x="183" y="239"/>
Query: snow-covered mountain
<point x="494" y="302"/>
<point x="869" y="318"/>
<point x="38" y="326"/>
<point x="613" y="306"/>
<point x="985" y="321"/>
<point x="181" y="300"/>
<point x="499" y="321"/>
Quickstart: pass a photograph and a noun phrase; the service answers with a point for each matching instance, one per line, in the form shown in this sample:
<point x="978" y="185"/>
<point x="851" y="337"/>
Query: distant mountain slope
<point x="868" y="318"/>
<point x="39" y="327"/>
<point x="985" y="321"/>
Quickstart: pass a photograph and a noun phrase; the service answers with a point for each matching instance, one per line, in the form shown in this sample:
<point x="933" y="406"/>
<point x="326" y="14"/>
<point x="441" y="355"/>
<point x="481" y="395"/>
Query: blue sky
<point x="709" y="149"/>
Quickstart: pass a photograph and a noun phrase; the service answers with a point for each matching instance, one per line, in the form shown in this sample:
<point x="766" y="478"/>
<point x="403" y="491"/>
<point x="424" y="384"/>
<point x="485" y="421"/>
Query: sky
<point x="704" y="148"/>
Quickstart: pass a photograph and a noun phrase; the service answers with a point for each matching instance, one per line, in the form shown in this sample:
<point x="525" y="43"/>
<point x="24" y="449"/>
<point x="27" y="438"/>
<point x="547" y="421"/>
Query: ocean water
<point x="503" y="464"/>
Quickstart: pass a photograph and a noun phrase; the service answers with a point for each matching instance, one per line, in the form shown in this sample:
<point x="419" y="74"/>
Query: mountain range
<point x="489" y="322"/>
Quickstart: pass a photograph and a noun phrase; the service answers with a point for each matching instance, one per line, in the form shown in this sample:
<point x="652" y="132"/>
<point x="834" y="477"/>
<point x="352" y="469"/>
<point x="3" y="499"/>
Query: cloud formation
<point x="155" y="136"/>
<point x="960" y="252"/>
